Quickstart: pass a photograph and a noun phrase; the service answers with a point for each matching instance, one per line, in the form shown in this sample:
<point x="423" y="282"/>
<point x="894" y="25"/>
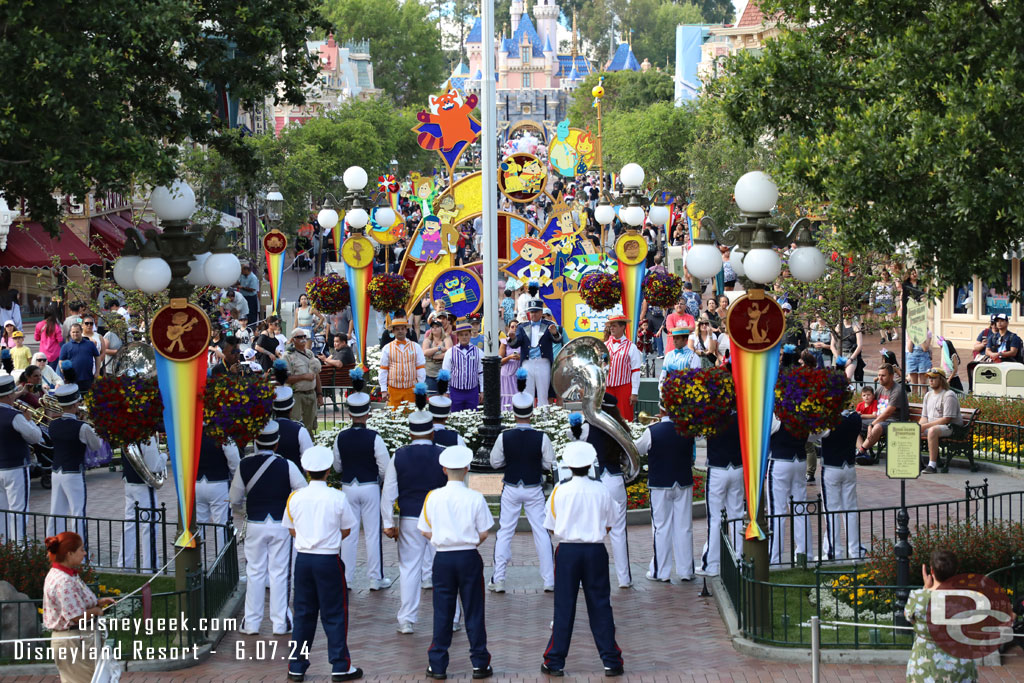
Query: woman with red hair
<point x="68" y="606"/>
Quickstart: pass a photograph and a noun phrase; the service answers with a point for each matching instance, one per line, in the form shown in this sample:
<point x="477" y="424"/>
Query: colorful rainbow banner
<point x="359" y="292"/>
<point x="755" y="374"/>
<point x="338" y="232"/>
<point x="632" y="279"/>
<point x="275" y="244"/>
<point x="182" y="384"/>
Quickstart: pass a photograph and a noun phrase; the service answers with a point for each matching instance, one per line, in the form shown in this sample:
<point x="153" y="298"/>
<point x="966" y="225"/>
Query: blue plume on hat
<point x="357" y="376"/>
<point x="420" y="392"/>
<point x="354" y="373"/>
<point x="6" y="353"/>
<point x="575" y="419"/>
<point x="64" y="364"/>
<point x="444" y="375"/>
<point x="521" y="377"/>
<point x="789" y="348"/>
<point x="280" y="369"/>
<point x="841" y="361"/>
<point x="280" y="364"/>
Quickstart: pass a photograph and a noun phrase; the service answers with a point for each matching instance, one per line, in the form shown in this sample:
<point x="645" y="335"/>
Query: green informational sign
<point x="917" y="321"/>
<point x="903" y="450"/>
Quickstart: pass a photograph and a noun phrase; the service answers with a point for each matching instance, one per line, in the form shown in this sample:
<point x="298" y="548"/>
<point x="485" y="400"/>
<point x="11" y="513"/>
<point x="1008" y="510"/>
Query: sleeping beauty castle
<point x="534" y="82"/>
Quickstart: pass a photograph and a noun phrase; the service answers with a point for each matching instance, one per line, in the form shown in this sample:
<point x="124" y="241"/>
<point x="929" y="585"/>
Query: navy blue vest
<point x="670" y="458"/>
<point x="130" y="475"/>
<point x="523" y="456"/>
<point x="419" y="473"/>
<point x="15" y="450"/>
<point x="785" y="446"/>
<point x="213" y="464"/>
<point x="68" y="449"/>
<point x="724" y="447"/>
<point x="268" y="497"/>
<point x="355" y="445"/>
<point x="608" y="450"/>
<point x="446" y="437"/>
<point x="840" y="446"/>
<point x="288" y="446"/>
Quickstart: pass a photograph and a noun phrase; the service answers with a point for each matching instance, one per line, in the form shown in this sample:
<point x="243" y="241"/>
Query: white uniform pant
<point x="839" y="492"/>
<point x="365" y="502"/>
<point x="618" y="536"/>
<point x="67" y="497"/>
<point x="212" y="506"/>
<point x="723" y="489"/>
<point x="787" y="479"/>
<point x="514" y="499"/>
<point x="14" y="488"/>
<point x="538" y="377"/>
<point x="672" y="524"/>
<point x="145" y="532"/>
<point x="268" y="560"/>
<point x="415" y="564"/>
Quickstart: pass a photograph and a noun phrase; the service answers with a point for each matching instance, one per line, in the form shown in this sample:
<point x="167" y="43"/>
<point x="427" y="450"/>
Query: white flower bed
<point x="832" y="607"/>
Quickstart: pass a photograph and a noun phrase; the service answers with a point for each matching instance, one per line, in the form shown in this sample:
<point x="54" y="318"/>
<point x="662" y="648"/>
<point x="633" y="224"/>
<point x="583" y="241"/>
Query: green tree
<point x="622" y="90"/>
<point x="903" y="116"/>
<point x="656" y="137"/>
<point x="653" y="24"/>
<point x="408" y="63"/>
<point x="99" y="94"/>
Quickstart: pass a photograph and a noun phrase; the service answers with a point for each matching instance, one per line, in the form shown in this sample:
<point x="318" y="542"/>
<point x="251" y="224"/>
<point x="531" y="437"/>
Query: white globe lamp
<point x="762" y="265"/>
<point x="222" y="270"/>
<point x="658" y="214"/>
<point x="354" y="178"/>
<point x="152" y="275"/>
<point x="327" y="218"/>
<point x="385" y="216"/>
<point x="756" y="192"/>
<point x="632" y="215"/>
<point x="124" y="271"/>
<point x="703" y="261"/>
<point x="736" y="259"/>
<point x="632" y="175"/>
<point x="357" y="218"/>
<point x="807" y="264"/>
<point x="174" y="203"/>
<point x="197" y="270"/>
<point x="604" y="213"/>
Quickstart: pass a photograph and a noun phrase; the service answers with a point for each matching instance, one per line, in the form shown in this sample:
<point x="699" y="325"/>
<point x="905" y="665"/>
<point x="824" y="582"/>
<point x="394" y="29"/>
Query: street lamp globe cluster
<point x="356" y="217"/>
<point x="634" y="212"/>
<point x="755" y="240"/>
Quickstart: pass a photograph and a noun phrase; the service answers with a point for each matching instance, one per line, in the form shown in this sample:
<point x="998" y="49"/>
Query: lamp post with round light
<point x="754" y="258"/>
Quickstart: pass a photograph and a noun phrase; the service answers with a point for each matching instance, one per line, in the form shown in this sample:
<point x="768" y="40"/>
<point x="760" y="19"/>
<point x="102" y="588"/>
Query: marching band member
<point x="440" y="408"/>
<point x="71" y="437"/>
<point x="681" y="357"/>
<point x="624" y="364"/>
<point x="535" y="339"/>
<point x="670" y="480"/>
<point x="413" y="471"/>
<point x="609" y="471"/>
<point x="320" y="518"/>
<point x="17" y="433"/>
<point x="138" y="492"/>
<point x="295" y="438"/>
<point x="526" y="454"/>
<point x="402" y="366"/>
<point x="839" y="486"/>
<point x="362" y="464"/>
<point x="723" y="489"/>
<point x="263" y="481"/>
<point x="465" y="363"/>
<point x="787" y="469"/>
<point x="217" y="465"/>
<point x="579" y="513"/>
<point x="456" y="519"/>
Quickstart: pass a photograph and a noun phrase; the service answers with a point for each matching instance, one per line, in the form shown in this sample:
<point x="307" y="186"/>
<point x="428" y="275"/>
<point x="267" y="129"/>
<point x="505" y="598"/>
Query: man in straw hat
<point x="465" y="363"/>
<point x="939" y="412"/>
<point x="402" y="366"/>
<point x="681" y="357"/>
<point x="624" y="364"/>
<point x="263" y="482"/>
<point x="71" y="438"/>
<point x="17" y="433"/>
<point x="456" y="519"/>
<point x="319" y="518"/>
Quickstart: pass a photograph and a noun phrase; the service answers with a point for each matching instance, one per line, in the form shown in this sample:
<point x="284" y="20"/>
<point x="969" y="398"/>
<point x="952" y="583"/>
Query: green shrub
<point x="998" y="410"/>
<point x="25" y="567"/>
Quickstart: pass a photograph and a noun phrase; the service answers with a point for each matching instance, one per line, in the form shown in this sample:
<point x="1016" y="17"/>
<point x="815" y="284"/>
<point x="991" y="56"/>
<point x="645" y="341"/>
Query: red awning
<point x="30" y="246"/>
<point x="123" y="220"/>
<point x="106" y="239"/>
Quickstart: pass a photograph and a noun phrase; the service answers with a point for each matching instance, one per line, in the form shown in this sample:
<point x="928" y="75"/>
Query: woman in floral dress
<point x="510" y="362"/>
<point x="928" y="662"/>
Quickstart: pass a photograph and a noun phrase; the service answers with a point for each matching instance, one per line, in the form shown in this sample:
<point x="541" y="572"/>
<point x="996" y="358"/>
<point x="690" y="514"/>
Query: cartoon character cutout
<point x="451" y="114"/>
<point x="535" y="252"/>
<point x="510" y="170"/>
<point x="448" y="211"/>
<point x="562" y="153"/>
<point x="424" y="192"/>
<point x="584" y="151"/>
<point x="562" y="243"/>
<point x="430" y="234"/>
<point x="532" y="176"/>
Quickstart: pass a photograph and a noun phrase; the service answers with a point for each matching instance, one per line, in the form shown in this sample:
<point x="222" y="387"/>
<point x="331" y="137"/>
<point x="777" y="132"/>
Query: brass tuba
<point x="580" y="369"/>
<point x="138" y="360"/>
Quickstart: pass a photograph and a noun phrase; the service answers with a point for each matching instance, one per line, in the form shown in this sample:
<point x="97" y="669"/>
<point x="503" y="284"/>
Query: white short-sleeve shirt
<point x="455" y="516"/>
<point x="318" y="513"/>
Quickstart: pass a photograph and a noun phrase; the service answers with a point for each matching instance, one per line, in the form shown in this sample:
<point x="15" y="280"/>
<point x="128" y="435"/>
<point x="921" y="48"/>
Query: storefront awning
<point x="124" y="221"/>
<point x="30" y="246"/>
<point x="105" y="238"/>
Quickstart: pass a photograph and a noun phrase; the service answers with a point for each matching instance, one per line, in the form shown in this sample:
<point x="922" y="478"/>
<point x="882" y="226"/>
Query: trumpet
<point x="37" y="415"/>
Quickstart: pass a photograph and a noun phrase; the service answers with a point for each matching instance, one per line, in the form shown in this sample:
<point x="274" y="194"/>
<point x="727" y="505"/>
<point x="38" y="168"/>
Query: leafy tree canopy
<point x="100" y="93"/>
<point x="405" y="45"/>
<point x="656" y="137"/>
<point x="622" y="90"/>
<point x="903" y="115"/>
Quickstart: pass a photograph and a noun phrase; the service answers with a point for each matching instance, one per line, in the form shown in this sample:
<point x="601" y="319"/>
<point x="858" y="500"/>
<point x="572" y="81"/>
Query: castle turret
<point x="515" y="11"/>
<point x="546" y="14"/>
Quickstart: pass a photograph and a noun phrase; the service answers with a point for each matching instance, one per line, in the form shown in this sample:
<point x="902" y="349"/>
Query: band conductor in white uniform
<point x="71" y="438"/>
<point x="263" y="482"/>
<point x="526" y="454"/>
<point x="17" y="434"/>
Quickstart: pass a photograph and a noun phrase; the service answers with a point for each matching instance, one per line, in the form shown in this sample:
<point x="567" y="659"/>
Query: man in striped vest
<point x="402" y="366"/>
<point x="464" y="361"/>
<point x="623" y="366"/>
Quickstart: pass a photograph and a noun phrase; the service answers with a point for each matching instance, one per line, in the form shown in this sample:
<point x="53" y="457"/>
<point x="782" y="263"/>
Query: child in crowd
<point x="868" y="406"/>
<point x="20" y="354"/>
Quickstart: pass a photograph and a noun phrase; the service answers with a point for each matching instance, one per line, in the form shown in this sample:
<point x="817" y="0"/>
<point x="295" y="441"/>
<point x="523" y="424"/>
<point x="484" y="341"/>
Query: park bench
<point x="333" y="382"/>
<point x="958" y="444"/>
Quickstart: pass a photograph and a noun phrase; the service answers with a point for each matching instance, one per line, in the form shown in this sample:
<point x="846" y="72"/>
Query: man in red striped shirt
<point x="624" y="366"/>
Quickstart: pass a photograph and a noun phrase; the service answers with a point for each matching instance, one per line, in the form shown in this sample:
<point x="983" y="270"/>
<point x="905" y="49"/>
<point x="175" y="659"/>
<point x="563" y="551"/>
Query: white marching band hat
<point x="284" y="398"/>
<point x="67" y="394"/>
<point x="317" y="459"/>
<point x="6" y="385"/>
<point x="522" y="404"/>
<point x="440" y="406"/>
<point x="358" y="404"/>
<point x="421" y="423"/>
<point x="270" y="434"/>
<point x="456" y="457"/>
<point x="579" y="454"/>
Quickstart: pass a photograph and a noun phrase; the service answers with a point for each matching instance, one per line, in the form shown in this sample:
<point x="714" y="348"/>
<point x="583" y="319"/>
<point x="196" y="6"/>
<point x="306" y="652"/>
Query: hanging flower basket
<point x="601" y="291"/>
<point x="125" y="410"/>
<point x="662" y="289"/>
<point x="699" y="401"/>
<point x="810" y="400"/>
<point x="237" y="407"/>
<point x="388" y="292"/>
<point x="329" y="294"/>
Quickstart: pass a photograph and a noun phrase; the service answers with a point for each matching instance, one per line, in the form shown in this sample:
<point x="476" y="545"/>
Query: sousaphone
<point x="139" y="360"/>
